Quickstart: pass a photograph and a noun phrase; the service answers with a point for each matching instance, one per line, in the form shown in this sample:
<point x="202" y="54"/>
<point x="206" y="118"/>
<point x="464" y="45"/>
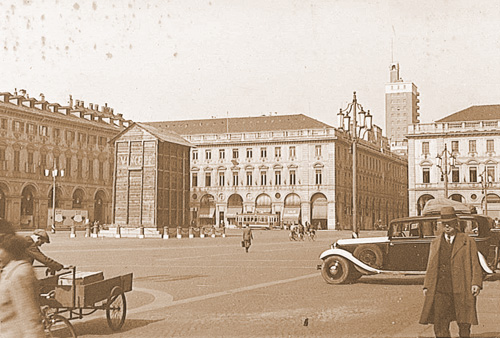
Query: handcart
<point x="72" y="295"/>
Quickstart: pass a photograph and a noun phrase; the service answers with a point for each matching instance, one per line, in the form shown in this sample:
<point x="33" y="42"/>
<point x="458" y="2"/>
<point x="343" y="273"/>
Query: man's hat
<point x="43" y="235"/>
<point x="448" y="214"/>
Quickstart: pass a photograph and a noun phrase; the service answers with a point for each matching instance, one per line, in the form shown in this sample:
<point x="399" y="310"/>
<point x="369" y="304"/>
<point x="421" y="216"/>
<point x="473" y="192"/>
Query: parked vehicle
<point x="405" y="249"/>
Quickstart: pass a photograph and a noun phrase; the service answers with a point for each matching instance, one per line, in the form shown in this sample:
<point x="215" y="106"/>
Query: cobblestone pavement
<point x="211" y="288"/>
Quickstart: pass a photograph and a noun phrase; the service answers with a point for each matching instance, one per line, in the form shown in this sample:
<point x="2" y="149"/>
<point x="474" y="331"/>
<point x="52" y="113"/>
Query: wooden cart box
<point x="87" y="295"/>
<point x="81" y="278"/>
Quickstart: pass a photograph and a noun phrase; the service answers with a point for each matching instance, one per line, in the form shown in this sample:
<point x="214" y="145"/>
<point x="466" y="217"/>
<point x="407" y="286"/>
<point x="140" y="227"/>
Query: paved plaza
<point x="209" y="287"/>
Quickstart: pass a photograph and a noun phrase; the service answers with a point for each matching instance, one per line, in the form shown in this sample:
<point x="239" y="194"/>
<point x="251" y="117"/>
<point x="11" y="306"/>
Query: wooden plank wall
<point x="135" y="183"/>
<point x="173" y="185"/>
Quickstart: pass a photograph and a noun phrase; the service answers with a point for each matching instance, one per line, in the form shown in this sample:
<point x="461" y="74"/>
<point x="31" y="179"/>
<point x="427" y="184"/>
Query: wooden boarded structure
<point x="151" y="181"/>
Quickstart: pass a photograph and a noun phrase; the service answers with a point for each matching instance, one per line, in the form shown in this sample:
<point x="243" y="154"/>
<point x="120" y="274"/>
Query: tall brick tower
<point x="401" y="109"/>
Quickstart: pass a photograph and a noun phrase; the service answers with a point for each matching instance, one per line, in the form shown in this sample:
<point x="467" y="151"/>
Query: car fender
<point x="347" y="255"/>
<point x="484" y="264"/>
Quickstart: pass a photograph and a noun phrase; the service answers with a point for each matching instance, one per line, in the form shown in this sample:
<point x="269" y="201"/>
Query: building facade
<point x="151" y="186"/>
<point x="292" y="167"/>
<point x="471" y="138"/>
<point x="37" y="138"/>
<point x="401" y="109"/>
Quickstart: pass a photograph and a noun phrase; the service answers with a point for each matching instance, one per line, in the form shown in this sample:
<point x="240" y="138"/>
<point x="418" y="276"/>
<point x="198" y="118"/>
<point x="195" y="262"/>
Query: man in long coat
<point x="247" y="237"/>
<point x="453" y="279"/>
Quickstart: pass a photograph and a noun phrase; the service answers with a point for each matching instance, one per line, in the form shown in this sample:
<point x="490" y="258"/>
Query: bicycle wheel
<point x="59" y="326"/>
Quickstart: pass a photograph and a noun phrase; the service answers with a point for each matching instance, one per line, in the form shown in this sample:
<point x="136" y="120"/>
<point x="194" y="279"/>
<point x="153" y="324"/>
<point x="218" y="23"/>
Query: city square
<point x="204" y="287"/>
<point x="147" y="138"/>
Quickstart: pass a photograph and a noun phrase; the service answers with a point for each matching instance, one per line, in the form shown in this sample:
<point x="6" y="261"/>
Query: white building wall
<point x="439" y="134"/>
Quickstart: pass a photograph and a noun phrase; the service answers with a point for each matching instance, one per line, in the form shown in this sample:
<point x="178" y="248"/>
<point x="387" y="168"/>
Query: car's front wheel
<point x="336" y="270"/>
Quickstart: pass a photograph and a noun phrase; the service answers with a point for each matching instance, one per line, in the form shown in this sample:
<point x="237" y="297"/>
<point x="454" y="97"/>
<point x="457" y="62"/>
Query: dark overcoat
<point x="247" y="234"/>
<point x="33" y="253"/>
<point x="466" y="271"/>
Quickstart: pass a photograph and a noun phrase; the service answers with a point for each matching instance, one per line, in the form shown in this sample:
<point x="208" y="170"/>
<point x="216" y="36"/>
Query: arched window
<point x="78" y="199"/>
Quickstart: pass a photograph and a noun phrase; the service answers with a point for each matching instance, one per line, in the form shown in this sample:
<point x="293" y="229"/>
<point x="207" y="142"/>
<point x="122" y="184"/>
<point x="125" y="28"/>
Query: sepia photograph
<point x="231" y="168"/>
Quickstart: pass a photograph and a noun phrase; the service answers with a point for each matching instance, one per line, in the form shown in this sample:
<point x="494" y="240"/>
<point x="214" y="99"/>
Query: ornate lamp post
<point x="486" y="181"/>
<point x="360" y="124"/>
<point x="54" y="173"/>
<point x="445" y="165"/>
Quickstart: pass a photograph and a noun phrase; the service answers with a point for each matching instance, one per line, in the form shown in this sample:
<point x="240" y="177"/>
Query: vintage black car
<point x="405" y="249"/>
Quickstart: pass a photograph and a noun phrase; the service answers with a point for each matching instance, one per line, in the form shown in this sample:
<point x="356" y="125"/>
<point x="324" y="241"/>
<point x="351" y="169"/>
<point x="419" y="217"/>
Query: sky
<point x="159" y="60"/>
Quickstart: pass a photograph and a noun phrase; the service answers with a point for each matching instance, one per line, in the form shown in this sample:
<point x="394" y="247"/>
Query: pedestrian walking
<point x="247" y="237"/>
<point x="453" y="279"/>
<point x="19" y="307"/>
<point x="301" y="231"/>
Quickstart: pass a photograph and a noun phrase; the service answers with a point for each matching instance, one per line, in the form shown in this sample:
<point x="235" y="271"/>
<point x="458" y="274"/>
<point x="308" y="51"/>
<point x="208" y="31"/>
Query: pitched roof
<point x="164" y="135"/>
<point x="474" y="113"/>
<point x="240" y="124"/>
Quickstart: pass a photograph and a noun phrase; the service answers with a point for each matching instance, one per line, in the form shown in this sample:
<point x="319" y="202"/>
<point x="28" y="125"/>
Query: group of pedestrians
<point x="19" y="290"/>
<point x="299" y="231"/>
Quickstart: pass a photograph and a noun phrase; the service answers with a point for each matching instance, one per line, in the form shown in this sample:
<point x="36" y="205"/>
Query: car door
<point x="408" y="249"/>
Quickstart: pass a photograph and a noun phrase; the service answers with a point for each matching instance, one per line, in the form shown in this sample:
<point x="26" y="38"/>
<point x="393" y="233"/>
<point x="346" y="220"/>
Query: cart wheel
<point x="116" y="309"/>
<point x="59" y="326"/>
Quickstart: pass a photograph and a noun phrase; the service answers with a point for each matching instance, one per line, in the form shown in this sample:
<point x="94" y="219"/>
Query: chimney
<point x="91" y="106"/>
<point x="42" y="97"/>
<point x="6" y="97"/>
<point x="22" y="92"/>
<point x="71" y="101"/>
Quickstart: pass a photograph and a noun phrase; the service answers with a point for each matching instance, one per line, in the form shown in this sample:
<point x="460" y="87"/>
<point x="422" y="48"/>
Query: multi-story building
<point x="37" y="137"/>
<point x="291" y="166"/>
<point x="472" y="140"/>
<point x="401" y="109"/>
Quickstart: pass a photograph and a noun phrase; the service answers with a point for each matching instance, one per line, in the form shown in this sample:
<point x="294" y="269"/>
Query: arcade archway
<point x="422" y="200"/>
<point x="319" y="211"/>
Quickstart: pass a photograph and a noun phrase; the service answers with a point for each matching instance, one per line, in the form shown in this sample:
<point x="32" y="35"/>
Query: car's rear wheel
<point x="370" y="254"/>
<point x="336" y="270"/>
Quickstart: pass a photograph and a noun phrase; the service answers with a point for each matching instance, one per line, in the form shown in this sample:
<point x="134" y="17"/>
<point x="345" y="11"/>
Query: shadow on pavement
<point x="487" y="335"/>
<point x="168" y="278"/>
<point x="393" y="280"/>
<point x="99" y="326"/>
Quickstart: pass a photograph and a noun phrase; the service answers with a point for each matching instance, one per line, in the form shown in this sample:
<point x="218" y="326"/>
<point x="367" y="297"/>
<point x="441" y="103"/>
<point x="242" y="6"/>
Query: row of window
<point x="490" y="147"/>
<point x="292" y="180"/>
<point x="292" y="153"/>
<point x="70" y="135"/>
<point x="31" y="167"/>
<point x="474" y="177"/>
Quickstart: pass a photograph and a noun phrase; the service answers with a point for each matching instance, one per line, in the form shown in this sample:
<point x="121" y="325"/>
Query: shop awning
<point x="206" y="212"/>
<point x="319" y="211"/>
<point x="291" y="214"/>
<point x="233" y="211"/>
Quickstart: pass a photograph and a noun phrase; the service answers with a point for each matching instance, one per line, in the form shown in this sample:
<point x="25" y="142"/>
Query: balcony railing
<point x="453" y="126"/>
<point x="253" y="136"/>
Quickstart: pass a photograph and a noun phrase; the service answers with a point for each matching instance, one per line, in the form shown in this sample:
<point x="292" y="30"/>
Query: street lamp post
<point x="54" y="173"/>
<point x="486" y="181"/>
<point x="356" y="129"/>
<point x="445" y="166"/>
